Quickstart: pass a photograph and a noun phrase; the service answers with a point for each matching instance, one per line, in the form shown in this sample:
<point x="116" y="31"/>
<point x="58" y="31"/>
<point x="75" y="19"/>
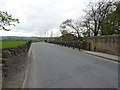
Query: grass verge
<point x="11" y="44"/>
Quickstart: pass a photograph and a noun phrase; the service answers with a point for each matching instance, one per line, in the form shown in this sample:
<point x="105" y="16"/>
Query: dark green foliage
<point x="111" y="24"/>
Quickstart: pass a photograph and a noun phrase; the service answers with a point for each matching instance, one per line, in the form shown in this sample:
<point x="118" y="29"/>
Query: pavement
<point x="53" y="66"/>
<point x="103" y="55"/>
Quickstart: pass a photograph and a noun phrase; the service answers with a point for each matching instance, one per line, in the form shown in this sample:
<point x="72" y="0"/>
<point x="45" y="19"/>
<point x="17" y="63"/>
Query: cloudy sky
<point x="39" y="17"/>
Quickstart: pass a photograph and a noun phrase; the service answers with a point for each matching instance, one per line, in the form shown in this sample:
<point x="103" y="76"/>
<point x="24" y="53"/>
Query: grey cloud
<point x="41" y="16"/>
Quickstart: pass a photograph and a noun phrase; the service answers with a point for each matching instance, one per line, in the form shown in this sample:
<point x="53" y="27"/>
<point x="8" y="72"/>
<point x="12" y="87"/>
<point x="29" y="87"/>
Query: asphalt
<point x="53" y="66"/>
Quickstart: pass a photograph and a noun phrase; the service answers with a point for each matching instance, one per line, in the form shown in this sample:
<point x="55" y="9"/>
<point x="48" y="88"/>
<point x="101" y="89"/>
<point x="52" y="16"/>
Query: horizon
<point x="46" y="15"/>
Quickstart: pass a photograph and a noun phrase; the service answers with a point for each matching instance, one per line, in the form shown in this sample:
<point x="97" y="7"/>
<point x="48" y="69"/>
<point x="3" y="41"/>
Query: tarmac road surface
<point x="54" y="66"/>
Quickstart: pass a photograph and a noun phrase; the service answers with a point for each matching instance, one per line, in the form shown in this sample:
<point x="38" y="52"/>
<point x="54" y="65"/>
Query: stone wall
<point x="13" y="62"/>
<point x="108" y="44"/>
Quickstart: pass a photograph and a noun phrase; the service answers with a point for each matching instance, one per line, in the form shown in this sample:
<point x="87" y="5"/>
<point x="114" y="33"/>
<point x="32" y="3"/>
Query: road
<point x="54" y="66"/>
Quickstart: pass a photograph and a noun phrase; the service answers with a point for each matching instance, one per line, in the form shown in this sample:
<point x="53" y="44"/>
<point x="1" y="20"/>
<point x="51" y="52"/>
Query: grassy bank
<point x="11" y="44"/>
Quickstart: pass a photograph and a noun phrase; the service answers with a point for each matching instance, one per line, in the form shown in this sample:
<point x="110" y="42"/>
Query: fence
<point x="78" y="45"/>
<point x="107" y="44"/>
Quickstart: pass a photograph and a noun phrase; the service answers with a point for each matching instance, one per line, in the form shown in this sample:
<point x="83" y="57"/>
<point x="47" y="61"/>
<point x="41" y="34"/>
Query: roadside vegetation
<point x="101" y="18"/>
<point x="11" y="44"/>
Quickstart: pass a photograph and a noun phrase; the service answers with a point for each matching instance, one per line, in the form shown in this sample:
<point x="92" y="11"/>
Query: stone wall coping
<point x="104" y="36"/>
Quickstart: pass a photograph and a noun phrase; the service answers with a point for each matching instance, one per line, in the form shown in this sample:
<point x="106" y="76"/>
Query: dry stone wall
<point x="108" y="44"/>
<point x="13" y="60"/>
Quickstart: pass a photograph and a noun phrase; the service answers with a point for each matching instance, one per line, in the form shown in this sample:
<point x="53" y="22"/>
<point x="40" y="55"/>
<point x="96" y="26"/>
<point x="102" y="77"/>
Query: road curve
<point x="53" y="66"/>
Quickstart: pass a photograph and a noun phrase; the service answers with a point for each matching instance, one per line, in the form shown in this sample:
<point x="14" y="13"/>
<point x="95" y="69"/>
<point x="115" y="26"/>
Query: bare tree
<point x="96" y="13"/>
<point x="63" y="29"/>
<point x="87" y="26"/>
<point x="75" y="25"/>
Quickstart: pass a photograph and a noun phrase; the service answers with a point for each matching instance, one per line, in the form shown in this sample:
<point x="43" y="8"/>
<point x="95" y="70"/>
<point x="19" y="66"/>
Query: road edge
<point x="27" y="68"/>
<point x="102" y="56"/>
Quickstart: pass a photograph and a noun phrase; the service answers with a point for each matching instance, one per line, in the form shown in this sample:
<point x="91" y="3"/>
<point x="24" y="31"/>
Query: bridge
<point x="54" y="66"/>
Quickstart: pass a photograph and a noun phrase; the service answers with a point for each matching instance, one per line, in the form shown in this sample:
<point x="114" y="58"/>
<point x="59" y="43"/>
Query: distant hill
<point x="20" y="38"/>
<point x="24" y="38"/>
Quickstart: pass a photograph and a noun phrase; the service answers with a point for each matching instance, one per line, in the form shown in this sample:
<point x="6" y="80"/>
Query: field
<point x="11" y="44"/>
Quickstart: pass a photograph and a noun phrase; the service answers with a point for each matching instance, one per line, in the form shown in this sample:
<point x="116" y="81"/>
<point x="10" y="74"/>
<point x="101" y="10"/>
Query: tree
<point x="63" y="30"/>
<point x="87" y="26"/>
<point x="111" y="24"/>
<point x="97" y="12"/>
<point x="6" y="20"/>
<point x="76" y="26"/>
<point x="68" y="37"/>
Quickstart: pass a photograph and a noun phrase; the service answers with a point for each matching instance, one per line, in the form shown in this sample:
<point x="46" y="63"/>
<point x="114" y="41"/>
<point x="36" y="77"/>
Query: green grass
<point x="11" y="44"/>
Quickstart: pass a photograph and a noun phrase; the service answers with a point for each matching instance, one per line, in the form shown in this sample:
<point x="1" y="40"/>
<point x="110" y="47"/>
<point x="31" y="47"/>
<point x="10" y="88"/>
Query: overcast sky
<point x="40" y="16"/>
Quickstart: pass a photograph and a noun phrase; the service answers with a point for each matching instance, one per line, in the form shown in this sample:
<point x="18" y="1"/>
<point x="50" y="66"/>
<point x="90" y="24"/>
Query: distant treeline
<point x="20" y="38"/>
